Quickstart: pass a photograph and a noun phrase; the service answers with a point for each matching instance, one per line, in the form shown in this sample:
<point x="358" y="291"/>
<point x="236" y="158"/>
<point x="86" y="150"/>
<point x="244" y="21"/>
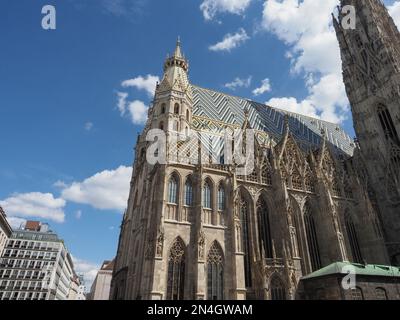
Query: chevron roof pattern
<point x="307" y="131"/>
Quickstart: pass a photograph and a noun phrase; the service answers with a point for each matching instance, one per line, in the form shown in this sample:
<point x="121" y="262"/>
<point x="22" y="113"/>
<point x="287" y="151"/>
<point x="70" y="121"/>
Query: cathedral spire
<point x="178" y="51"/>
<point x="176" y="69"/>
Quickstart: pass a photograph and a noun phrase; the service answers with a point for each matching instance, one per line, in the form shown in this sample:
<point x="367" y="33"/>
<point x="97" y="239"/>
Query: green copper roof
<point x="360" y="269"/>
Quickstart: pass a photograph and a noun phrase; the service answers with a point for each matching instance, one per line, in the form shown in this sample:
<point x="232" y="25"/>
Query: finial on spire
<point x="178" y="52"/>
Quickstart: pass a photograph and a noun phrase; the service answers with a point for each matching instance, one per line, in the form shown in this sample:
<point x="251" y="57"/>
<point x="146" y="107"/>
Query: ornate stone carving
<point x="201" y="244"/>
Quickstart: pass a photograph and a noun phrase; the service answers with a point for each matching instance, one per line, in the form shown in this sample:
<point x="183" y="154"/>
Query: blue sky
<point x="69" y="125"/>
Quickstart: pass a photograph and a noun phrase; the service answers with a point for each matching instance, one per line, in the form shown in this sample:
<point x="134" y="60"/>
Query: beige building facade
<point x="5" y="230"/>
<point x="201" y="226"/>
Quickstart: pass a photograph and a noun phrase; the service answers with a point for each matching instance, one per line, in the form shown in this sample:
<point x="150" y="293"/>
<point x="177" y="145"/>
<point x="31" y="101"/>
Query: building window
<point x="173" y="190"/>
<point x="353" y="239"/>
<point x="207" y="195"/>
<point x="161" y="125"/>
<point x="188" y="192"/>
<point x="296" y="180"/>
<point x="312" y="239"/>
<point x="309" y="183"/>
<point x="187" y="115"/>
<point x="176" y="108"/>
<point x="244" y="220"/>
<point x="387" y="123"/>
<point x="221" y="198"/>
<point x="163" y="108"/>
<point x="336" y="188"/>
<point x="266" y="175"/>
<point x="264" y="229"/>
<point x="175" y="126"/>
<point x="215" y="273"/>
<point x="357" y="294"/>
<point x="380" y="294"/>
<point x="278" y="291"/>
<point x="176" y="271"/>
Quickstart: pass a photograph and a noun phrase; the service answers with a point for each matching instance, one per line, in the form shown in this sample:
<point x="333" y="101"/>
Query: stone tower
<point x="371" y="72"/>
<point x="172" y="111"/>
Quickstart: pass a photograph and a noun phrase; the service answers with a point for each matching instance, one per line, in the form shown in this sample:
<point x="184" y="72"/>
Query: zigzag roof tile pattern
<point x="307" y="131"/>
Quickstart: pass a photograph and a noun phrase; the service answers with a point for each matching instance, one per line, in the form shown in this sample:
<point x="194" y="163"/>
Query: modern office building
<point x="35" y="265"/>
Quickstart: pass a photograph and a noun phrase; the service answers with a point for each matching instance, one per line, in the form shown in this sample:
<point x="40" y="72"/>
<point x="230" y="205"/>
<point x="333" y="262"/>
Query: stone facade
<point x="5" y="230"/>
<point x="200" y="230"/>
<point x="371" y="72"/>
<point x="372" y="282"/>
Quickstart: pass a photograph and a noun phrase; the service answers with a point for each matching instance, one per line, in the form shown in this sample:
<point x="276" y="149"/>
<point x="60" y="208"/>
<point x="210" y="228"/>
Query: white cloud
<point x="106" y="190"/>
<point x="265" y="87"/>
<point x="59" y="184"/>
<point x="138" y="111"/>
<point x="314" y="51"/>
<point x="88" y="126"/>
<point x="146" y="83"/>
<point x="291" y="104"/>
<point x="239" y="83"/>
<point x="211" y="8"/>
<point x="394" y="11"/>
<point x="16" y="222"/>
<point x="231" y="41"/>
<point x="88" y="269"/>
<point x="78" y="214"/>
<point x="121" y="104"/>
<point x="35" y="204"/>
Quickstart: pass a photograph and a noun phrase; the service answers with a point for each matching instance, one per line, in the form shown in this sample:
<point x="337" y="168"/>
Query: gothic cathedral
<point x="198" y="228"/>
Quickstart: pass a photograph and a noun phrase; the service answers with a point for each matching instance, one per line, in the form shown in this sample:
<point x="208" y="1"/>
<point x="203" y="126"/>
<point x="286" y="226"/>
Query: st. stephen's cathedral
<point x="202" y="230"/>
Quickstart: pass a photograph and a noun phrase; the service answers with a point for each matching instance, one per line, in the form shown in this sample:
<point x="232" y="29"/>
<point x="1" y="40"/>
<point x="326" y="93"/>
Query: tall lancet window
<point x="207" y="195"/>
<point x="173" y="190"/>
<point x="176" y="271"/>
<point x="221" y="198"/>
<point x="188" y="192"/>
<point x="215" y="273"/>
<point x="387" y="123"/>
<point x="244" y="219"/>
<point x="278" y="291"/>
<point x="312" y="239"/>
<point x="353" y="239"/>
<point x="264" y="229"/>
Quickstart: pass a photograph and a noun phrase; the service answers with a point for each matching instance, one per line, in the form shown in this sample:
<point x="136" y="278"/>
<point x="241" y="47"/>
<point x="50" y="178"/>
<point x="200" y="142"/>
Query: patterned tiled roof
<point x="307" y="131"/>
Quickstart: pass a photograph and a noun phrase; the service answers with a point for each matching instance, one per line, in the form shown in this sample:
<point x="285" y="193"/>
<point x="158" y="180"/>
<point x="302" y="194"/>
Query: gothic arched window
<point x="387" y="123"/>
<point x="266" y="175"/>
<point x="215" y="273"/>
<point x="221" y="198"/>
<point x="336" y="188"/>
<point x="278" y="291"/>
<point x="296" y="180"/>
<point x="244" y="219"/>
<point x="353" y="239"/>
<point x="161" y="125"/>
<point x="309" y="183"/>
<point x="207" y="195"/>
<point x="173" y="190"/>
<point x="264" y="229"/>
<point x="188" y="192"/>
<point x="312" y="239"/>
<point x="163" y="106"/>
<point x="176" y="108"/>
<point x="357" y="294"/>
<point x="176" y="271"/>
<point x="187" y="115"/>
<point x="380" y="294"/>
